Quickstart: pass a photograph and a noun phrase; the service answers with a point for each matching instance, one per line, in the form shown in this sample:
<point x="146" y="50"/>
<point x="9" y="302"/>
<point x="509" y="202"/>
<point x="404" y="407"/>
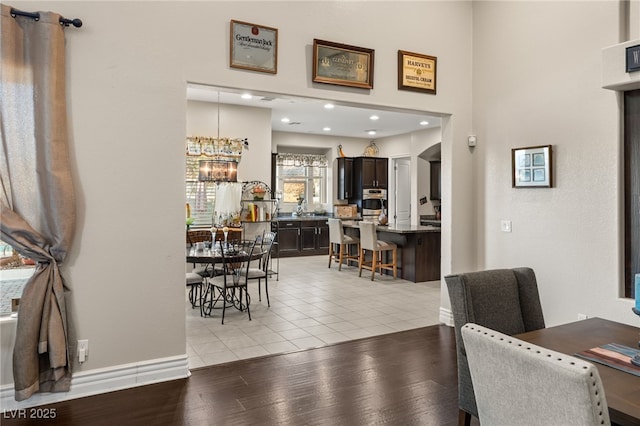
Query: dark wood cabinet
<point x="322" y="239"/>
<point x="435" y="180"/>
<point x="371" y="172"/>
<point x="288" y="237"/>
<point x="345" y="178"/>
<point x="303" y="237"/>
<point x="308" y="233"/>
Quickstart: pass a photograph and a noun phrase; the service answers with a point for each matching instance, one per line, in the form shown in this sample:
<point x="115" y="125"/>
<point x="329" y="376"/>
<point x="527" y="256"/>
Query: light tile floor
<point x="311" y="306"/>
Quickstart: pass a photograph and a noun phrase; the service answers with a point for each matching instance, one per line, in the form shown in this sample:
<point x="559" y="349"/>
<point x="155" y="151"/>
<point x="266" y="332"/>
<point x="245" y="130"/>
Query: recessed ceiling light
<point x="371" y="132"/>
<point x="246" y="96"/>
<point x="326" y="129"/>
<point x="329" y="106"/>
<point x="374" y="117"/>
<point x="285" y="120"/>
<point x="424" y="123"/>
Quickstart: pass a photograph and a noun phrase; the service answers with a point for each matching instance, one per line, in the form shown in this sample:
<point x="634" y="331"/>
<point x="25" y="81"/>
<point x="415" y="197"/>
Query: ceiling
<point x="308" y="115"/>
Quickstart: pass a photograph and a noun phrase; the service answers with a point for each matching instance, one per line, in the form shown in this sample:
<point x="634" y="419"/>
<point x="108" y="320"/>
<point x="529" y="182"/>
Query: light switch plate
<point x="472" y="140"/>
<point x="505" y="225"/>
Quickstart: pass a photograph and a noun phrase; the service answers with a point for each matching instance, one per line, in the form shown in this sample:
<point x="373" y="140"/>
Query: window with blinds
<point x="199" y="195"/>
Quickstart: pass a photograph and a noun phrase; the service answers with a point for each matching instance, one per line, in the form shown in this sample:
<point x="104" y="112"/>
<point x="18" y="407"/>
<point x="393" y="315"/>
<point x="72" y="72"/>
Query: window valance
<point x="298" y="160"/>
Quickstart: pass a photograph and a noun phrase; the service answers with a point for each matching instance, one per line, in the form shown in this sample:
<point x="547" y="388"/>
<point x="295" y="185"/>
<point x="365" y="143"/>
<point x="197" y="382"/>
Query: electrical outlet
<point x="582" y="316"/>
<point x="83" y="350"/>
<point x="505" y="225"/>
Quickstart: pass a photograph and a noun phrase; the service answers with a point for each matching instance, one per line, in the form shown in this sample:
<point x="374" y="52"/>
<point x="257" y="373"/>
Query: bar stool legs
<point x="337" y="238"/>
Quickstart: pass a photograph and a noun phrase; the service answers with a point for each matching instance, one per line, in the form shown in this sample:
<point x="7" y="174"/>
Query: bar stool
<point x="336" y="236"/>
<point x="369" y="241"/>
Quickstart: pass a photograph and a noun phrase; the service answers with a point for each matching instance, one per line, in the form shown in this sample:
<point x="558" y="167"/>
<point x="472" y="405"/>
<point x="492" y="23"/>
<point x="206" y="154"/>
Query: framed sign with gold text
<point x="417" y="72"/>
<point x="254" y="47"/>
<point x="341" y="64"/>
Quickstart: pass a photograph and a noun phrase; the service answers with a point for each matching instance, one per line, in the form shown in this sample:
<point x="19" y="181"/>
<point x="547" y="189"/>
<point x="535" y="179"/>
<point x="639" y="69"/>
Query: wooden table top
<point x="621" y="389"/>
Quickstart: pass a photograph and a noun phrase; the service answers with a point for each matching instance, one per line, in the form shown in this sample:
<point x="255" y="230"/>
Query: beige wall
<point x="128" y="67"/>
<point x="537" y="81"/>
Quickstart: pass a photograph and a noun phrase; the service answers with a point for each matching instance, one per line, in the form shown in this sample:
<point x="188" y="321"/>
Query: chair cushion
<point x="193" y="278"/>
<point x="255" y="273"/>
<point x="385" y="245"/>
<point x="203" y="271"/>
<point x="350" y="240"/>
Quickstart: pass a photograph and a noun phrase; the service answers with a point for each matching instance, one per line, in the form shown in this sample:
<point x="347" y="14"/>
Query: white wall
<point x="537" y="81"/>
<point x="128" y="67"/>
<point x="410" y="146"/>
<point x="299" y="142"/>
<point x="236" y="122"/>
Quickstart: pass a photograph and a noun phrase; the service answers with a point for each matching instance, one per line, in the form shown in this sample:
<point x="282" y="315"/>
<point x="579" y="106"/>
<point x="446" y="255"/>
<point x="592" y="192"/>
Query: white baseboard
<point x="104" y="380"/>
<point x="446" y="316"/>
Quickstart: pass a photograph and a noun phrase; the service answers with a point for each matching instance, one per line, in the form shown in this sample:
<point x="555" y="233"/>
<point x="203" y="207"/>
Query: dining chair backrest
<point x="518" y="383"/>
<point x="198" y="236"/>
<point x="268" y="240"/>
<point x="336" y="233"/>
<point x="506" y="300"/>
<point x="236" y="265"/>
<point x="368" y="236"/>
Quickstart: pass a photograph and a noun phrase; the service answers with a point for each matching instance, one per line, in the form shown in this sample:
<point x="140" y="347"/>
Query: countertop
<point x="398" y="229"/>
<point x="311" y="217"/>
<point x="353" y="223"/>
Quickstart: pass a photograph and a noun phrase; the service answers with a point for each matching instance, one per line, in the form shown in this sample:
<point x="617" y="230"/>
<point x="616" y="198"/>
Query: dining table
<point x="621" y="388"/>
<point x="235" y="252"/>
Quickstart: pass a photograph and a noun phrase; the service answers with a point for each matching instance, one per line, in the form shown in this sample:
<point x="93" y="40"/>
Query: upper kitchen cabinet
<point x="371" y="172"/>
<point x="345" y="178"/>
<point x="435" y="178"/>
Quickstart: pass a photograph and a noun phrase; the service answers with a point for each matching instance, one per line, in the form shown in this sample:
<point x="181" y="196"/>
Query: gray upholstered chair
<point x="369" y="242"/>
<point x="505" y="300"/>
<point x="518" y="383"/>
<point x="342" y="241"/>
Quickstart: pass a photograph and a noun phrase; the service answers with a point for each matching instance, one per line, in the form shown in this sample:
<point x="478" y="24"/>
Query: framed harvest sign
<point x="254" y="47"/>
<point x="417" y="72"/>
<point x="343" y="65"/>
<point x="532" y="167"/>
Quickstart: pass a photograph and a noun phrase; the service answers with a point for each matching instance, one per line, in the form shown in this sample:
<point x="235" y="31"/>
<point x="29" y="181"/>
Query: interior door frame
<point x="393" y="184"/>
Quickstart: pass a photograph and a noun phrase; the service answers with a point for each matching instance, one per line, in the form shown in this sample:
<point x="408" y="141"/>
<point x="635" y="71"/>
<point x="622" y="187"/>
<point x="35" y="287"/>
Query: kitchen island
<point x="418" y="246"/>
<point x="418" y="249"/>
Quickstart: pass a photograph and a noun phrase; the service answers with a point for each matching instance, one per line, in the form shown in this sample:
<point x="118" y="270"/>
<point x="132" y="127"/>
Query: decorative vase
<point x="382" y="219"/>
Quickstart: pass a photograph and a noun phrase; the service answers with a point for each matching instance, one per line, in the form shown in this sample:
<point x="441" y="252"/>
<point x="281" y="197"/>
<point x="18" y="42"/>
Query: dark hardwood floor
<point x="405" y="378"/>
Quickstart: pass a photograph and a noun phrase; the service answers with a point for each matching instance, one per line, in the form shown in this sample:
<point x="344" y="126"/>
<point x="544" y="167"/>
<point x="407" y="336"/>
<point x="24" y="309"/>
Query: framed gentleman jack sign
<point x="253" y="47"/>
<point x="417" y="72"/>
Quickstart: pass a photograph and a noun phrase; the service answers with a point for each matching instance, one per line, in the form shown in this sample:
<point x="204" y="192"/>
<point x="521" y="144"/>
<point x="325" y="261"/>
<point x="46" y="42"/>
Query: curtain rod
<point x="36" y="16"/>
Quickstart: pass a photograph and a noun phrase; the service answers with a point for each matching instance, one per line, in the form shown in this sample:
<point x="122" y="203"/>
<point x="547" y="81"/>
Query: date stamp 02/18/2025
<point x="30" y="413"/>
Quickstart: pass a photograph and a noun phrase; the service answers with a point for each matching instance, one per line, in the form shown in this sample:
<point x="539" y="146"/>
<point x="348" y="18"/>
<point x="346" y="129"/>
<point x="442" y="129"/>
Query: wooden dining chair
<point x="338" y="239"/>
<point x="369" y="242"/>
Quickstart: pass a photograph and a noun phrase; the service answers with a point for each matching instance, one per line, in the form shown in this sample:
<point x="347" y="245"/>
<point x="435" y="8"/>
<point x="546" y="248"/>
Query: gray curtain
<point x="36" y="194"/>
